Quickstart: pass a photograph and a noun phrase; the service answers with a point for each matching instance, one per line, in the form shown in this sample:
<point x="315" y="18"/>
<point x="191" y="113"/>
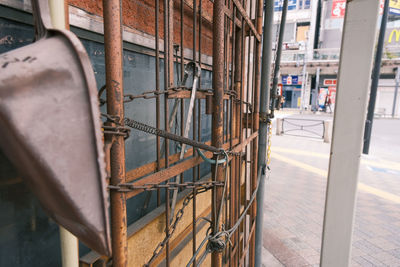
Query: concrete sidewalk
<point x="295" y="199"/>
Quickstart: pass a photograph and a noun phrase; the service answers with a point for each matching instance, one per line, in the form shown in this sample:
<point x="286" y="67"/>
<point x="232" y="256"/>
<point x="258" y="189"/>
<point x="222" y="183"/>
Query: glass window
<point x="307" y="4"/>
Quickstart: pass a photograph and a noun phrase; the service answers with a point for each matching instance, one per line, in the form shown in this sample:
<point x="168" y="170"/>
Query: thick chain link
<point x="128" y="187"/>
<point x="154" y="93"/>
<point x="178" y="217"/>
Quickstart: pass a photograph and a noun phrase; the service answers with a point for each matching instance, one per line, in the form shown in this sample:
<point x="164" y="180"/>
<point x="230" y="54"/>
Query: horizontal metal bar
<point x="170" y="172"/>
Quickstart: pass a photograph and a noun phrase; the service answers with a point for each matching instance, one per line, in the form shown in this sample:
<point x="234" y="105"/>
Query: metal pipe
<point x="158" y="103"/>
<point x="69" y="243"/>
<point x="396" y="89"/>
<point x="69" y="249"/>
<point x="375" y="80"/>
<point x="264" y="123"/>
<point x="256" y="125"/>
<point x="278" y="56"/>
<point x="359" y="30"/>
<point x="218" y="112"/>
<point x="115" y="106"/>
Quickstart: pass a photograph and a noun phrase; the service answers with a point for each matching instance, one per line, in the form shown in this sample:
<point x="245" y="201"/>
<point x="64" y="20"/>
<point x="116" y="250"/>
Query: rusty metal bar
<point x="115" y="106"/>
<point x="167" y="220"/>
<point x="196" y="168"/>
<point x="158" y="107"/>
<point x="217" y="115"/>
<point x="247" y="19"/>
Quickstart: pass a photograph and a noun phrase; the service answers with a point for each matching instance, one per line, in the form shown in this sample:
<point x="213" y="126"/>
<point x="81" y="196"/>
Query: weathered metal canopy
<point x="50" y="129"/>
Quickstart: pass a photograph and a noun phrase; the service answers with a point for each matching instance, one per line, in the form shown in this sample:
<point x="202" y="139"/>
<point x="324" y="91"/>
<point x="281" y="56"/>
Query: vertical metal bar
<point x="166" y="115"/>
<point x="278" y="56"/>
<point x="375" y="79"/>
<point x="396" y="89"/>
<point x="115" y="106"/>
<point x="167" y="219"/>
<point x="264" y="123"/>
<point x="256" y="121"/>
<point x="359" y="30"/>
<point x="232" y="166"/>
<point x="240" y="73"/>
<point x="217" y="115"/>
<point x="157" y="12"/>
<point x="196" y="168"/>
<point x="166" y="81"/>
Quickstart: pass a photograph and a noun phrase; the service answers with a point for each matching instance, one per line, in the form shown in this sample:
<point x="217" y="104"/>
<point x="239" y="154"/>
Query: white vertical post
<point x="358" y="41"/>
<point x="69" y="243"/>
<point x="69" y="249"/>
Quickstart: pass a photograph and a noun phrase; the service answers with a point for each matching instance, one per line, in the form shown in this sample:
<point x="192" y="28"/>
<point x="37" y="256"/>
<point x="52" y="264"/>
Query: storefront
<point x="291" y="91"/>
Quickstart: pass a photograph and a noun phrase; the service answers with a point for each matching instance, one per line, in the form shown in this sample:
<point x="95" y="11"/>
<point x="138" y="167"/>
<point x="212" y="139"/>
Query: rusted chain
<point x="178" y="217"/>
<point x="154" y="94"/>
<point x="127" y="187"/>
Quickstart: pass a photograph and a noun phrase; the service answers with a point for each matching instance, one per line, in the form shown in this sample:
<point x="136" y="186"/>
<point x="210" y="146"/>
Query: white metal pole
<point x="69" y="243"/>
<point x="69" y="249"/>
<point x="358" y="41"/>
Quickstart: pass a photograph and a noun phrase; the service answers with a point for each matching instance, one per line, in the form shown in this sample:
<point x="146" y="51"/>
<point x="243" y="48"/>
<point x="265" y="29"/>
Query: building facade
<point x="312" y="49"/>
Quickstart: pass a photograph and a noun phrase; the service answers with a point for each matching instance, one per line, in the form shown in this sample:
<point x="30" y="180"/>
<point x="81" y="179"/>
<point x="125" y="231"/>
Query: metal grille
<point x="233" y="104"/>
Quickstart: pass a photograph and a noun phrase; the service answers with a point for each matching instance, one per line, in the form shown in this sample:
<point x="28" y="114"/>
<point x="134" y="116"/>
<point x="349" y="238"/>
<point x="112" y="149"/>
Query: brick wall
<point x="140" y="15"/>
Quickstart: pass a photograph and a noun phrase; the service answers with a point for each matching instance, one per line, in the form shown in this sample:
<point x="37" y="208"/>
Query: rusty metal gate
<point x="233" y="103"/>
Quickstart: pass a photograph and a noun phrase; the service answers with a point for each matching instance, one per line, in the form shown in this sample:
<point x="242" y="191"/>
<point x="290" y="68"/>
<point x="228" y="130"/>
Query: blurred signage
<point x="280" y="89"/>
<point x="330" y="82"/>
<point x="396" y="34"/>
<point x="338" y="8"/>
<point x="278" y="4"/>
<point x="290" y="80"/>
<point x="394" y="7"/>
<point x="332" y="93"/>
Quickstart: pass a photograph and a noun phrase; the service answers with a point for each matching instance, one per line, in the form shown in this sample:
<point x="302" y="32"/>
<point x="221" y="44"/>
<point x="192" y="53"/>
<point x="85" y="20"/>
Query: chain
<point x="154" y="94"/>
<point x="127" y="187"/>
<point x="269" y="143"/>
<point x="155" y="131"/>
<point x="178" y="217"/>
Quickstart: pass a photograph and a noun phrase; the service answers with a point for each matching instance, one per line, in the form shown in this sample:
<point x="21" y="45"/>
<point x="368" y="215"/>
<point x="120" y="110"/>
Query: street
<point x="295" y="198"/>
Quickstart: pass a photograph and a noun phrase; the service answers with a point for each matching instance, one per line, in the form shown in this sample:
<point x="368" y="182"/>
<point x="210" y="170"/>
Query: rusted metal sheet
<point x="50" y="129"/>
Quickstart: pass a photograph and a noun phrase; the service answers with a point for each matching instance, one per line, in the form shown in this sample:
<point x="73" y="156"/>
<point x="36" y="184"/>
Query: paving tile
<point x="294" y="211"/>
<point x="387" y="258"/>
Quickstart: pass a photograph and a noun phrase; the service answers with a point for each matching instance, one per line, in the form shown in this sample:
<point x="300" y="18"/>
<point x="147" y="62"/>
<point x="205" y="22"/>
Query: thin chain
<point x="269" y="143"/>
<point x="154" y="93"/>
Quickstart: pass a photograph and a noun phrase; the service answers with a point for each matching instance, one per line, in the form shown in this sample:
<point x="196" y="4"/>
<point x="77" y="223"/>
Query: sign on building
<point x="330" y="82"/>
<point x="278" y="4"/>
<point x="394" y="36"/>
<point x="339" y="8"/>
<point x="290" y="80"/>
<point x="394" y="7"/>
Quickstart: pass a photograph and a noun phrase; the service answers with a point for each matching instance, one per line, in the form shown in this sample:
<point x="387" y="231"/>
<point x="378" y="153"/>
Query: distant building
<point x="311" y="51"/>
